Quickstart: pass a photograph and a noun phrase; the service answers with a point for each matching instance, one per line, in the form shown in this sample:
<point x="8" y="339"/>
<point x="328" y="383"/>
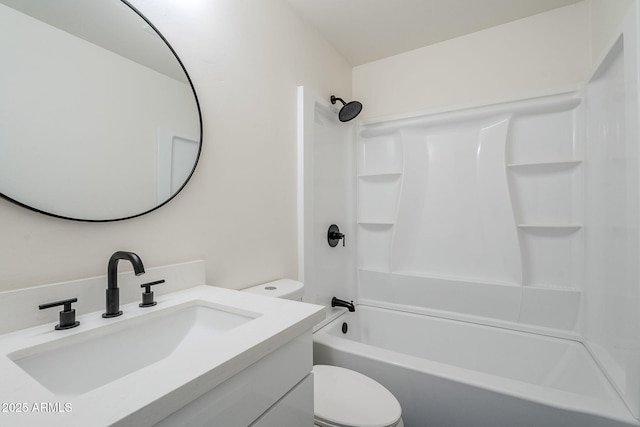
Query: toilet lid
<point x="346" y="398"/>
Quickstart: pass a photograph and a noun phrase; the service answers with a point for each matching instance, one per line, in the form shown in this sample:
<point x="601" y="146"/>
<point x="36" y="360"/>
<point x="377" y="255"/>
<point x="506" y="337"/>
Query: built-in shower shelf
<point x="380" y="176"/>
<point x="551" y="287"/>
<point x="559" y="227"/>
<point x="545" y="166"/>
<point x="376" y="222"/>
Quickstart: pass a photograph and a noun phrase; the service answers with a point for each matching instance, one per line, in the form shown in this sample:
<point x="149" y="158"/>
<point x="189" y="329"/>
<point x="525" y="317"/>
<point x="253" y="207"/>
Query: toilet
<point x="341" y="397"/>
<point x="283" y="288"/>
<point x="346" y="398"/>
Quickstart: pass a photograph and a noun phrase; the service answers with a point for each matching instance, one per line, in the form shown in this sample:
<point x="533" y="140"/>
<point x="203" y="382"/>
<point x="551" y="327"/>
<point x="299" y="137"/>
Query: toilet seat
<point x="345" y="398"/>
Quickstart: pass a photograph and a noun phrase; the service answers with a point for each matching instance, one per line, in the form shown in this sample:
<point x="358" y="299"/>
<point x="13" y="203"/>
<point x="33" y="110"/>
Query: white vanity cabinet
<point x="294" y="409"/>
<point x="203" y="356"/>
<point x="277" y="390"/>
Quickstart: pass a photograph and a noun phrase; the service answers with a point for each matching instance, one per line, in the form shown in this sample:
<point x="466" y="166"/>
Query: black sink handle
<point x="67" y="315"/>
<point x="147" y="295"/>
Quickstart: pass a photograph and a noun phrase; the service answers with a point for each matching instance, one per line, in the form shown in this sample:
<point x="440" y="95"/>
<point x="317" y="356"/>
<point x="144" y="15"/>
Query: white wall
<point x="606" y="18"/>
<point x="535" y="55"/>
<point x="246" y="59"/>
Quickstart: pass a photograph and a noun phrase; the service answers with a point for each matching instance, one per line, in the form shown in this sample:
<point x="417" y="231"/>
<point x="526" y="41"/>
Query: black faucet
<point x="335" y="302"/>
<point x="113" y="293"/>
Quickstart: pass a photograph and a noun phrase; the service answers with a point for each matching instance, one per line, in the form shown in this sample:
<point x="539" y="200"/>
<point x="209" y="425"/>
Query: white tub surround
<point x="326" y="196"/>
<point x="476" y="211"/>
<point x="237" y="376"/>
<point x="454" y="373"/>
<point x="612" y="219"/>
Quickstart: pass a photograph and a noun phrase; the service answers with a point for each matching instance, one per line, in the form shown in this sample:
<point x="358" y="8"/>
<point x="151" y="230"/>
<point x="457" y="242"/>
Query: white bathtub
<point x="448" y="373"/>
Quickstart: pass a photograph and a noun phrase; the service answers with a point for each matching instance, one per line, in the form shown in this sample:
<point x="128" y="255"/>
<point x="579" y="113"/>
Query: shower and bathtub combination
<point x="491" y="252"/>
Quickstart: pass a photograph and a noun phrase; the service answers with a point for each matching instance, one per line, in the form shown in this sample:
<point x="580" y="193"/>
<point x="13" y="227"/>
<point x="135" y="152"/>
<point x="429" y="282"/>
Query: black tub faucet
<point x="335" y="302"/>
<point x="113" y="293"/>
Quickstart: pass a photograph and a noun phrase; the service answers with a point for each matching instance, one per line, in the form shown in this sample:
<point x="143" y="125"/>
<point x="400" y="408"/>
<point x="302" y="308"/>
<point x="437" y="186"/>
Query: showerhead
<point x="349" y="110"/>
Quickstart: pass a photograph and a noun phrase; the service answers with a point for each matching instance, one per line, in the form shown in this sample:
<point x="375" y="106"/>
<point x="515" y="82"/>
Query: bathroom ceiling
<point x="109" y="24"/>
<point x="367" y="30"/>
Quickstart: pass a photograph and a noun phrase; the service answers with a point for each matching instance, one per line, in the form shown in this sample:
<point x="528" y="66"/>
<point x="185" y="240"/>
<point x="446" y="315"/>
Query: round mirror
<point x="99" y="120"/>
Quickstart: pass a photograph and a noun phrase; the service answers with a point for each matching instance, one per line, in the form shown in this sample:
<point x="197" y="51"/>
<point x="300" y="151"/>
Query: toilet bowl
<point x="346" y="398"/>
<point x="342" y="397"/>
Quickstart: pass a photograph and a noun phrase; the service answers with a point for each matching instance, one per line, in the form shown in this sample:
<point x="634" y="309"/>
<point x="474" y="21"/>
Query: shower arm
<point x="335" y="98"/>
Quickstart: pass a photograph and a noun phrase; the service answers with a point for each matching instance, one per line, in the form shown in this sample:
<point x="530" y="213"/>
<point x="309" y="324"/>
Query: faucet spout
<point x="335" y="302"/>
<point x="113" y="293"/>
<point x="112" y="267"/>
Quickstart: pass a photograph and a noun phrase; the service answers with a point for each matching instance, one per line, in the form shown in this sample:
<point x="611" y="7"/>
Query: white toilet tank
<point x="282" y="288"/>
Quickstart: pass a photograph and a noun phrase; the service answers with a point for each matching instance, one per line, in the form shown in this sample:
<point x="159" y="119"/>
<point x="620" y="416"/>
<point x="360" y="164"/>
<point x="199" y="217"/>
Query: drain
<point x="345" y="327"/>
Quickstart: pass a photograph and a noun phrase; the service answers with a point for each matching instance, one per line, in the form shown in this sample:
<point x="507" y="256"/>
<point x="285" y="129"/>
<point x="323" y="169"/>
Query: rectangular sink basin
<point x="77" y="364"/>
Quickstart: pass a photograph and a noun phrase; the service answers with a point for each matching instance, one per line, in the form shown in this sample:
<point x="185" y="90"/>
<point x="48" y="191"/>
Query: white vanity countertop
<point x="150" y="394"/>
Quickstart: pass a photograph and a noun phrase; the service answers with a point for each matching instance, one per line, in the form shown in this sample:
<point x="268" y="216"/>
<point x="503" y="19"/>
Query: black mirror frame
<point x="195" y="96"/>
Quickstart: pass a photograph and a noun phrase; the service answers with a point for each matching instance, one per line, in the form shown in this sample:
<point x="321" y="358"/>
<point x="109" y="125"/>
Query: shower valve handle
<point x="338" y="236"/>
<point x="334" y="235"/>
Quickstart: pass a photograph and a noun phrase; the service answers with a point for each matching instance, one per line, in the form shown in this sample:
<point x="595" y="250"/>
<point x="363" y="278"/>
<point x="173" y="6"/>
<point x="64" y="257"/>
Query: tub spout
<point x="335" y="302"/>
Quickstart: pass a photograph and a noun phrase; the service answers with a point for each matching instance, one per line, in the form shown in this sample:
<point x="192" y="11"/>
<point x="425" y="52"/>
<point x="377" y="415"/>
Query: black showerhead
<point x="349" y="110"/>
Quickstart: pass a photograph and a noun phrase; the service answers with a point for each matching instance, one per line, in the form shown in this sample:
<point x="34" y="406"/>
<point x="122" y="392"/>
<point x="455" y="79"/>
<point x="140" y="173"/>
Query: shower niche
<point x="484" y="201"/>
